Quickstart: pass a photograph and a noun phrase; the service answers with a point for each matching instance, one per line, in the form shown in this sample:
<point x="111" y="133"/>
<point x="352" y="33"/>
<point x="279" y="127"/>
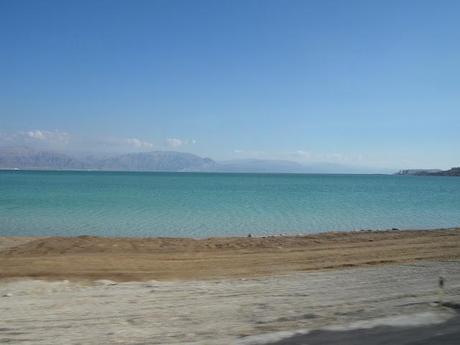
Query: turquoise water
<point x="200" y="205"/>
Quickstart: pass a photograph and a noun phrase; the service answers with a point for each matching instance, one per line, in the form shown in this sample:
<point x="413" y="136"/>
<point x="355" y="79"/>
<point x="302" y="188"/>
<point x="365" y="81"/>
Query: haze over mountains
<point x="29" y="158"/>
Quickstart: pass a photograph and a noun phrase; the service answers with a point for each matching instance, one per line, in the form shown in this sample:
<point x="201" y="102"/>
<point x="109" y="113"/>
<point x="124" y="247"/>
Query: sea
<point x="73" y="203"/>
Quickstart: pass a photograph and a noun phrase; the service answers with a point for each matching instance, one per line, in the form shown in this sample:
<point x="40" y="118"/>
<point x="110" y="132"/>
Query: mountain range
<point x="29" y="158"/>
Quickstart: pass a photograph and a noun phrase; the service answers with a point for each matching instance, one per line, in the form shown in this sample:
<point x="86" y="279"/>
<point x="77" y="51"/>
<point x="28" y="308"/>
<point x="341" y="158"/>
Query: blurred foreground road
<point x="447" y="333"/>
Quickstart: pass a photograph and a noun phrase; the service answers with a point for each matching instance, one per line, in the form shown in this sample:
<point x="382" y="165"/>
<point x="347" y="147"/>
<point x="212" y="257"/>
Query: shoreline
<point x="248" y="235"/>
<point x="162" y="258"/>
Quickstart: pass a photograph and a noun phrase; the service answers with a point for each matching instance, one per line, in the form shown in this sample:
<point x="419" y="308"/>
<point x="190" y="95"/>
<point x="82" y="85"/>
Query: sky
<point x="366" y="83"/>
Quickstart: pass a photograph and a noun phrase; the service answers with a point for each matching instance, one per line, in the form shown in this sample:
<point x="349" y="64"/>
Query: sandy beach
<point x="245" y="291"/>
<point x="141" y="259"/>
<point x="242" y="311"/>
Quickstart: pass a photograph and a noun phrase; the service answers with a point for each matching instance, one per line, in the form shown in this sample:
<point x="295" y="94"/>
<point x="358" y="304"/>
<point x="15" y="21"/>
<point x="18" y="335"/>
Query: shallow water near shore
<point x="39" y="203"/>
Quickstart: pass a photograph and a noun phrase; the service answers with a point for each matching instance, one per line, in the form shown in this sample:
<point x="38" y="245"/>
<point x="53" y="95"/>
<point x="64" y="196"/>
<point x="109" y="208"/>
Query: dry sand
<point x="141" y="259"/>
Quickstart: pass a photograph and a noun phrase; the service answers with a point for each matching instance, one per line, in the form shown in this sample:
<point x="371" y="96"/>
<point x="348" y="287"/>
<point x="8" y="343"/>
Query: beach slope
<point x="141" y="259"/>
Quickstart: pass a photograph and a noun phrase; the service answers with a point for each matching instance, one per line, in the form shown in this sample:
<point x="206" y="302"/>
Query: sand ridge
<point x="125" y="259"/>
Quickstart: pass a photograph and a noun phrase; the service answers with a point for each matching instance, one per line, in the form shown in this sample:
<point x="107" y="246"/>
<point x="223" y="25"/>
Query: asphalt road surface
<point x="447" y="333"/>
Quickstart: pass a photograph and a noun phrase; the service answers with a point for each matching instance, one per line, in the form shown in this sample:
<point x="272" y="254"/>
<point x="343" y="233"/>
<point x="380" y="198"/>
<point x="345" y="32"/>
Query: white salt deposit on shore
<point x="246" y="311"/>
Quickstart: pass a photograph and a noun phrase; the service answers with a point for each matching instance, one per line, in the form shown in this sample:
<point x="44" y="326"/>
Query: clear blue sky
<point x="372" y="83"/>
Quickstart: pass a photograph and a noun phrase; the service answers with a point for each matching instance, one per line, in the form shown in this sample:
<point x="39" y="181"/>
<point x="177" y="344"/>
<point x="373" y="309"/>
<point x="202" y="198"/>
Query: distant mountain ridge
<point x="28" y="158"/>
<point x="31" y="159"/>
<point x="417" y="172"/>
<point x="451" y="172"/>
<point x="259" y="166"/>
<point x="430" y="172"/>
<point x="157" y="161"/>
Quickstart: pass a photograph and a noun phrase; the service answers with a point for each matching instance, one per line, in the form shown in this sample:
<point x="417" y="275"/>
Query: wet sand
<point x="141" y="259"/>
